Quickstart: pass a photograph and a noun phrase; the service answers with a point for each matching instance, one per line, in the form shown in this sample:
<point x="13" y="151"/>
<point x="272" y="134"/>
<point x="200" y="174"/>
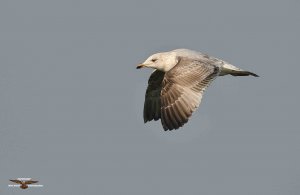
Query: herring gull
<point x="23" y="184"/>
<point x="176" y="86"/>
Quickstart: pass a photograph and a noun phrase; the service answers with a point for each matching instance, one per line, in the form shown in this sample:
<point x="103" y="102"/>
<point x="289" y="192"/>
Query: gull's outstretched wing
<point x="16" y="181"/>
<point x="30" y="182"/>
<point x="152" y="98"/>
<point x="182" y="90"/>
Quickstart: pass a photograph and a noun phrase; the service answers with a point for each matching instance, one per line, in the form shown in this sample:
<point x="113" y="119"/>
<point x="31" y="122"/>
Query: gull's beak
<point x="140" y="66"/>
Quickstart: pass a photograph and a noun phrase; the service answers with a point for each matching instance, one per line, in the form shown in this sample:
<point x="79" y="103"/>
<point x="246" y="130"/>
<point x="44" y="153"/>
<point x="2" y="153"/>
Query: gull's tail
<point x="234" y="71"/>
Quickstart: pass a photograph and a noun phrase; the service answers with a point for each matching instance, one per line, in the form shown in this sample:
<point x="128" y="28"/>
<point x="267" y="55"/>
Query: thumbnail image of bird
<point x="23" y="183"/>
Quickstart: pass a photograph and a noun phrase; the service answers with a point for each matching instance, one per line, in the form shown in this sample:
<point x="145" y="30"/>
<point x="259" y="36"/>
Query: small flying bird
<point x="176" y="86"/>
<point x="23" y="183"/>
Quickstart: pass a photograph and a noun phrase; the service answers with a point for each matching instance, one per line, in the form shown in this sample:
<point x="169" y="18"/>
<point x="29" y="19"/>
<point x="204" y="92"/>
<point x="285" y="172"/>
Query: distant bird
<point x="23" y="184"/>
<point x="176" y="87"/>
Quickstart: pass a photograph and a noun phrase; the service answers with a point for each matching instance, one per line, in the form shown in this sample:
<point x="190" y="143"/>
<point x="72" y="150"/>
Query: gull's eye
<point x="153" y="60"/>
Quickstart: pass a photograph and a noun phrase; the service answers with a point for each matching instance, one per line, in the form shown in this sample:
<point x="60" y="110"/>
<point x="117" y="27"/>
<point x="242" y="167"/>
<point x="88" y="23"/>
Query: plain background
<point x="71" y="99"/>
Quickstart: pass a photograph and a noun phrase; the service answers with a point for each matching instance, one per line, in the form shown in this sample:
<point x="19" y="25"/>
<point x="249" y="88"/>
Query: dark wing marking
<point x="152" y="98"/>
<point x="182" y="90"/>
<point x="30" y="182"/>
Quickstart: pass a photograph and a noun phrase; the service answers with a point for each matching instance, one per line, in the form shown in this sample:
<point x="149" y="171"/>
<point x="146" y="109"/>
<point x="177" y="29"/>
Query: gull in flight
<point x="23" y="184"/>
<point x="176" y="86"/>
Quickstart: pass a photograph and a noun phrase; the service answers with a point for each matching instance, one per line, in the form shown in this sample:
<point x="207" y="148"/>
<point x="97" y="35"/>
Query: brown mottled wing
<point x="152" y="98"/>
<point x="30" y="182"/>
<point x="16" y="181"/>
<point x="182" y="91"/>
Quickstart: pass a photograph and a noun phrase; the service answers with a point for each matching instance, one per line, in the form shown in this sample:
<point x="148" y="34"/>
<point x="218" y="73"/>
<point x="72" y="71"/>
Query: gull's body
<point x="176" y="87"/>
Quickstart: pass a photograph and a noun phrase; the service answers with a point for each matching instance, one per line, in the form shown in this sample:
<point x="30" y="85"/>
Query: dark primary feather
<point x="152" y="97"/>
<point x="30" y="182"/>
<point x="243" y="73"/>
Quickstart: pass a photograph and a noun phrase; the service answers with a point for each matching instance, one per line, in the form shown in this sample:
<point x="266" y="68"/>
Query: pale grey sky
<point x="71" y="99"/>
